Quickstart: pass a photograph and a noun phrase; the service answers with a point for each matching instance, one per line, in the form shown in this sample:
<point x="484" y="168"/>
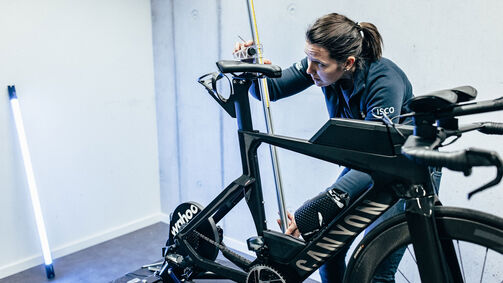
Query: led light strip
<point x="18" y="120"/>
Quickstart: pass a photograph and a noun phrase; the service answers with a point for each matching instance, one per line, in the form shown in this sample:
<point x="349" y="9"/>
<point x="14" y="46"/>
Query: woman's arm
<point x="293" y="80"/>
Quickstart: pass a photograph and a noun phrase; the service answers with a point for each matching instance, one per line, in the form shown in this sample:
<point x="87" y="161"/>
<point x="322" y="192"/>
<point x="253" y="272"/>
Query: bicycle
<point x="398" y="159"/>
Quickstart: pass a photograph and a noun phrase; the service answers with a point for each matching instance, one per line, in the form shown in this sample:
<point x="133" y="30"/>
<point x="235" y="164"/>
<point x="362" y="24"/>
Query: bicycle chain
<point x="224" y="248"/>
<point x="249" y="269"/>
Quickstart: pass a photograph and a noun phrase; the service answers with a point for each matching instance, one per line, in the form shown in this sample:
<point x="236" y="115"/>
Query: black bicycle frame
<point x="301" y="259"/>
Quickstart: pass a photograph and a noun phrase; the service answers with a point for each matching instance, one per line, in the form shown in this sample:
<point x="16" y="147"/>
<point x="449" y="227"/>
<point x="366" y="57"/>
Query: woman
<point x="343" y="57"/>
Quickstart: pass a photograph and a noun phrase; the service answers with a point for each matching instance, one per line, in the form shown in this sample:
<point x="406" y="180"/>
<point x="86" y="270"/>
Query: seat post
<point x="242" y="103"/>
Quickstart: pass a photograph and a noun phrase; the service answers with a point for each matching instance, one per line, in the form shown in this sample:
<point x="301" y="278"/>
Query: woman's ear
<point x="350" y="62"/>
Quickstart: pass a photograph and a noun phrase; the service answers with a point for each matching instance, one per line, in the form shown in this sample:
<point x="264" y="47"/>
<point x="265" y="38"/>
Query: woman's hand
<point x="292" y="226"/>
<point x="242" y="45"/>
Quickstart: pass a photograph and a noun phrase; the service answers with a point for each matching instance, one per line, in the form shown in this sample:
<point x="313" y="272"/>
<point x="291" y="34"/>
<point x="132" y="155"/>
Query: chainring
<point x="262" y="273"/>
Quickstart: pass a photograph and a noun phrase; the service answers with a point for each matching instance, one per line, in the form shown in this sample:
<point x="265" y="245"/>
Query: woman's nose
<point x="310" y="69"/>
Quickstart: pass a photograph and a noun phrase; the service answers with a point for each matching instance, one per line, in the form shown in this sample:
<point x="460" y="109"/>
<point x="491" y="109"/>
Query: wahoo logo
<point x="183" y="218"/>
<point x="337" y="237"/>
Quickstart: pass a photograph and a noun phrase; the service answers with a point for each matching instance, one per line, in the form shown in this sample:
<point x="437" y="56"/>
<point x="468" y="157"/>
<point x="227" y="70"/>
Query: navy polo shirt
<point x="379" y="87"/>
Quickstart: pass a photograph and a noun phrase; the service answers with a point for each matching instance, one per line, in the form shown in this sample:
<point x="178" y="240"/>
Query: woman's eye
<point x="317" y="63"/>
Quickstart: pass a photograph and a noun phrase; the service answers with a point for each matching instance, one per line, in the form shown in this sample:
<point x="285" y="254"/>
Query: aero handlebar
<point x="424" y="151"/>
<point x="462" y="160"/>
<point x="491" y="128"/>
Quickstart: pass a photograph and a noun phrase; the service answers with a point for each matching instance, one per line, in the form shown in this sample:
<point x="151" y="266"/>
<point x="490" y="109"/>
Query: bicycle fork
<point x="436" y="258"/>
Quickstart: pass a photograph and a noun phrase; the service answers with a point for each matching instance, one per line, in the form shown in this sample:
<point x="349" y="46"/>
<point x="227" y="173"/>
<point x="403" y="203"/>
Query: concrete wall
<point x="438" y="44"/>
<point x="84" y="76"/>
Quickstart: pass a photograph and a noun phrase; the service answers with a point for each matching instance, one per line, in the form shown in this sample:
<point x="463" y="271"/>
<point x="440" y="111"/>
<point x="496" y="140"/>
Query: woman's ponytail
<point x="372" y="42"/>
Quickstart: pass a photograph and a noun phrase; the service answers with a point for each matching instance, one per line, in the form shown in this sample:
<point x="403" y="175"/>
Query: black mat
<point x="135" y="276"/>
<point x="140" y="274"/>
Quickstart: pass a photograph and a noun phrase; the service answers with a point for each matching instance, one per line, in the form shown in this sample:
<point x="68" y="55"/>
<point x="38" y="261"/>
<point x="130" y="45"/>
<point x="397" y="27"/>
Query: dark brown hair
<point x="343" y="38"/>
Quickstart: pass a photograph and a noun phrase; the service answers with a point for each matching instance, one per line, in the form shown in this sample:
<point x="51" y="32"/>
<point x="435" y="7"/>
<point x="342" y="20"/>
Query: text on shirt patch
<point x="380" y="111"/>
<point x="298" y="65"/>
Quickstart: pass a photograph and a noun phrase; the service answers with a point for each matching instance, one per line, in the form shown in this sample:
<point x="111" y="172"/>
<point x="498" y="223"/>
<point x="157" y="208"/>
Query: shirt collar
<point x="359" y="78"/>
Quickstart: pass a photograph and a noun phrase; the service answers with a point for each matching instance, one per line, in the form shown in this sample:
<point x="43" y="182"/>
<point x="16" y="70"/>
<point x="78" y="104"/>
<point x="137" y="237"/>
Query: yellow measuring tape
<point x="260" y="57"/>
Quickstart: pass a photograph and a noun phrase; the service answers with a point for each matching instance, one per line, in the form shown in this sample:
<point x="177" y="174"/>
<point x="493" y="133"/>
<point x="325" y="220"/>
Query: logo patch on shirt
<point x="298" y="66"/>
<point x="379" y="112"/>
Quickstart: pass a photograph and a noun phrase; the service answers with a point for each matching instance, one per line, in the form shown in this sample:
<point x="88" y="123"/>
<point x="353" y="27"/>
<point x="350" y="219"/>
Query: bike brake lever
<point x="493" y="160"/>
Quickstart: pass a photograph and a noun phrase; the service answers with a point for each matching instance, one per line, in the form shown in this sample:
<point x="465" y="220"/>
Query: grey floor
<point x="104" y="262"/>
<point x="107" y="261"/>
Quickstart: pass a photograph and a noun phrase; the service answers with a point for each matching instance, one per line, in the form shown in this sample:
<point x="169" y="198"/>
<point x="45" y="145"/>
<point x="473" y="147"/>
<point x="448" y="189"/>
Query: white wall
<point x="198" y="143"/>
<point x="439" y="44"/>
<point x="83" y="71"/>
<point x="165" y="83"/>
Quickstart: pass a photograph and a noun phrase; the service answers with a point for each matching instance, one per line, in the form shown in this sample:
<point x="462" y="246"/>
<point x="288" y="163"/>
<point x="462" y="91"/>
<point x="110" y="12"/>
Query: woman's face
<point x="323" y="70"/>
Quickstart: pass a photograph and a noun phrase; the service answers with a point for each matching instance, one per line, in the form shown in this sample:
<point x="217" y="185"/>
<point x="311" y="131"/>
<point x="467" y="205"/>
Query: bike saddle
<point x="231" y="66"/>
<point x="442" y="98"/>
